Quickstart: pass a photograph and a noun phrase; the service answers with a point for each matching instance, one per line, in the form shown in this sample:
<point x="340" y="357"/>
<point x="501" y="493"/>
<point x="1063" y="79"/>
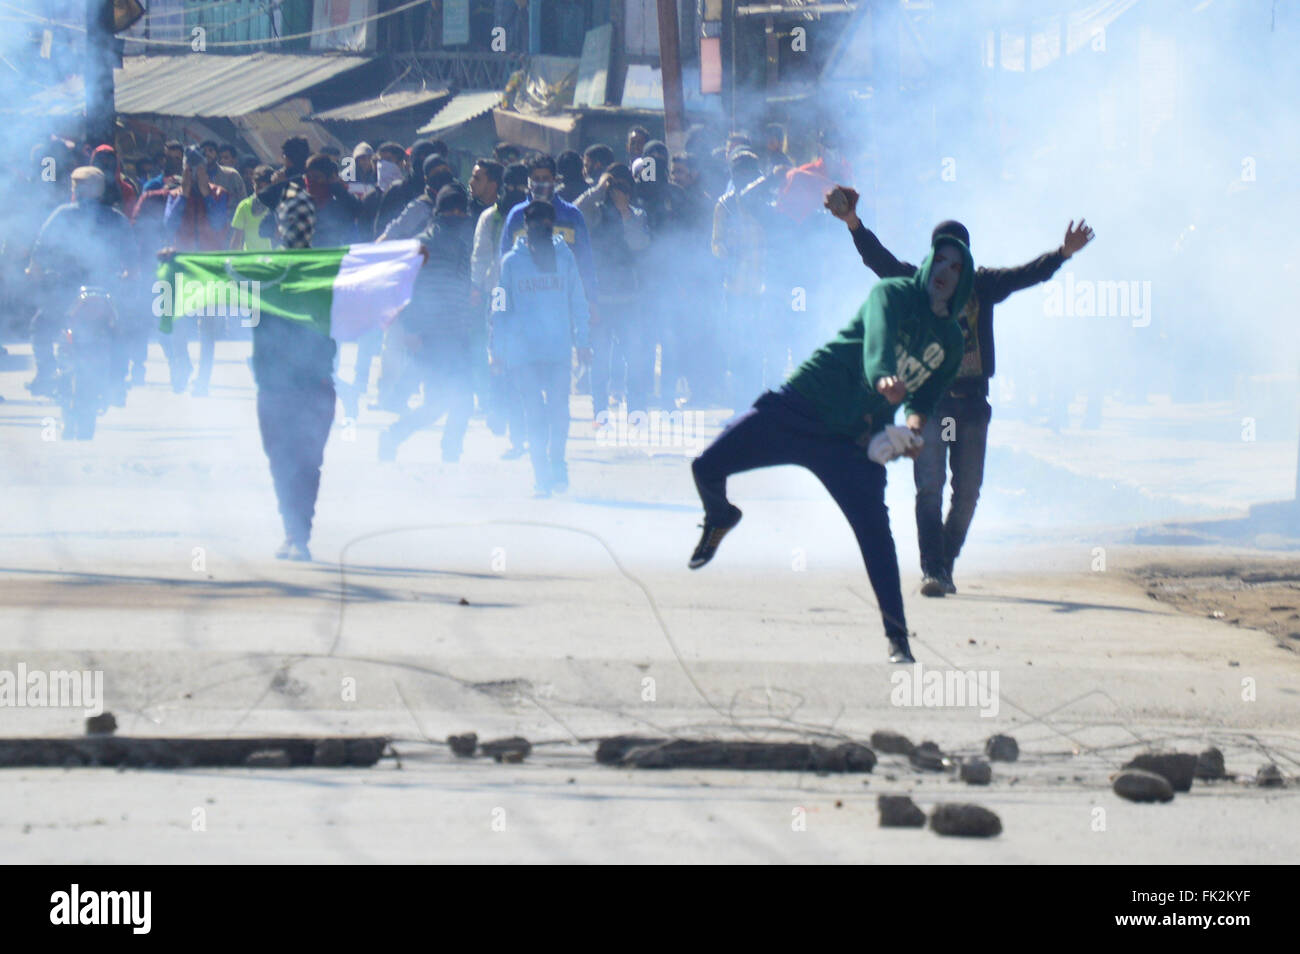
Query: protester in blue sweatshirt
<point x="569" y="222"/>
<point x="539" y="313"/>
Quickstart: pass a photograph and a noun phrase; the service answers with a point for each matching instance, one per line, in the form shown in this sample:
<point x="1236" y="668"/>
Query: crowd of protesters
<point x="645" y="279"/>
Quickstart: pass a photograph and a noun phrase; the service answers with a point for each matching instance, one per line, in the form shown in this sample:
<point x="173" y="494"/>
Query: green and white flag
<point x="341" y="292"/>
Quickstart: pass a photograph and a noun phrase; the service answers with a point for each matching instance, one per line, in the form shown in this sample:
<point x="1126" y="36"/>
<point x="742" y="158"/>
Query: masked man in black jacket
<point x="956" y="434"/>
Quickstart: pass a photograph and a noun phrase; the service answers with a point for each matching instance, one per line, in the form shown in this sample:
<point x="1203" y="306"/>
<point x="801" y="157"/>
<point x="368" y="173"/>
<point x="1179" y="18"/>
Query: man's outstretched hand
<point x="850" y="216"/>
<point x="893" y="389"/>
<point x="1076" y="237"/>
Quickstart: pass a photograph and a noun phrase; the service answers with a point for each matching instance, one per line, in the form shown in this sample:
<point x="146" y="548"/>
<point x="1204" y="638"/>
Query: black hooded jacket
<point x="992" y="286"/>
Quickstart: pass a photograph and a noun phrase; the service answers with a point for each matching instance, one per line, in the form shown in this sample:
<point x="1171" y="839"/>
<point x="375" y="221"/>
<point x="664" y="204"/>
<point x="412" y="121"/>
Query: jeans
<point x="965" y="421"/>
<point x="543" y="389"/>
<point x="448" y="388"/>
<point x="783" y="428"/>
<point x="621" y="340"/>
<point x="295" y="423"/>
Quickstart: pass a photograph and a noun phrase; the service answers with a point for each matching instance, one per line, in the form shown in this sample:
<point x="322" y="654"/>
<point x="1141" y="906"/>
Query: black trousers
<point x="295" y="424"/>
<point x="783" y="428"/>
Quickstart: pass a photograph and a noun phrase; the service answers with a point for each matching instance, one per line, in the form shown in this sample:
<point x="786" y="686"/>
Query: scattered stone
<point x="1177" y="767"/>
<point x="464" y="745"/>
<point x="115" y="751"/>
<point x="330" y="753"/>
<point x="1270" y="776"/>
<point x="464" y="602"/>
<point x="1233" y="663"/>
<point x="268" y="758"/>
<point x="1138" y="785"/>
<point x="612" y="750"/>
<point x="891" y="743"/>
<point x="1002" y="748"/>
<point x="976" y="772"/>
<point x="514" y="749"/>
<point x="966" y="821"/>
<point x="927" y="757"/>
<point x="770" y="756"/>
<point x="899" y="811"/>
<point x="102" y="724"/>
<point x="839" y="803"/>
<point x="365" y="752"/>
<point x="1209" y="764"/>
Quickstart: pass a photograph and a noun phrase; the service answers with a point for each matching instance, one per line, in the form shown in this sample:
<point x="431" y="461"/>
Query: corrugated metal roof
<point x="462" y="108"/>
<point x="382" y="105"/>
<point x="201" y="84"/>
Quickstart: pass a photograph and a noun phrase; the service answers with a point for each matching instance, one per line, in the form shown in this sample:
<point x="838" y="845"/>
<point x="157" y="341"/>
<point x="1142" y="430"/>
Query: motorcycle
<point x="84" y="352"/>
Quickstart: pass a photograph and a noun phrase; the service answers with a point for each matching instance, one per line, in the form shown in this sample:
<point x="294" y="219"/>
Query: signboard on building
<point x="455" y="22"/>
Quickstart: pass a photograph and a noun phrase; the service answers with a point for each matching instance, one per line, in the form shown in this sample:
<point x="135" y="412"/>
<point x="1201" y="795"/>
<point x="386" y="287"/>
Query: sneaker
<point x="387" y="446"/>
<point x="949" y="586"/>
<point x="199" y="390"/>
<point x="299" y="553"/>
<point x="282" y="552"/>
<point x="515" y="452"/>
<point x="560" y="487"/>
<point x="899" y="651"/>
<point x="710" y="538"/>
<point x="932" y="586"/>
<point x="541" y="493"/>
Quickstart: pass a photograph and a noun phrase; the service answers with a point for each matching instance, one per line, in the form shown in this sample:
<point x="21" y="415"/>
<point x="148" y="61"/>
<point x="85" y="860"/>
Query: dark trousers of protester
<point x="783" y="428"/>
<point x="448" y="389"/>
<point x="295" y="424"/>
<point x="956" y="436"/>
<point x="622" y="351"/>
<point x="504" y="409"/>
<point x="543" y="389"/>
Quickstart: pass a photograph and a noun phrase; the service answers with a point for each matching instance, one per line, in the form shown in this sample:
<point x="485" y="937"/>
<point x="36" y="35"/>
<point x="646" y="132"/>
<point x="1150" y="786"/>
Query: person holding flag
<point x="301" y="299"/>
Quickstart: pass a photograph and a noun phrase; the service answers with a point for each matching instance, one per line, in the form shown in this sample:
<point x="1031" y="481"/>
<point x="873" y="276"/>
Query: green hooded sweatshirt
<point x="894" y="333"/>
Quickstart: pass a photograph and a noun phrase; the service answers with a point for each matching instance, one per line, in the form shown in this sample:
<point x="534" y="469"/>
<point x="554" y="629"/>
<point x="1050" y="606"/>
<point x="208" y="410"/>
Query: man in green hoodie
<point x="902" y="347"/>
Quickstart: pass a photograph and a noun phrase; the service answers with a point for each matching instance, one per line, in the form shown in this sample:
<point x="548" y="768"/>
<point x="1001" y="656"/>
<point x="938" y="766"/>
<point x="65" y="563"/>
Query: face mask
<point x="540" y="190"/>
<point x="386" y="174"/>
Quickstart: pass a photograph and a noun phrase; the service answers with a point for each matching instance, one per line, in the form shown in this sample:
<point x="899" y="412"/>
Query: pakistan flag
<point x="341" y="292"/>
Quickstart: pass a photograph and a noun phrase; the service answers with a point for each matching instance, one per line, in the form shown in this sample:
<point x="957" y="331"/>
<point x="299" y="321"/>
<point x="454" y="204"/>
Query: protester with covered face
<point x="83" y="242"/>
<point x="444" y="330"/>
<point x="543" y="317"/>
<point x="503" y="410"/>
<point x="902" y="347"/>
<point x="399" y="196"/>
<point x="293" y="367"/>
<point x="965" y="404"/>
<point x="118" y="192"/>
<point x="622" y="340"/>
<point x="418" y="214"/>
<point x="569" y="223"/>
<point x="337" y="209"/>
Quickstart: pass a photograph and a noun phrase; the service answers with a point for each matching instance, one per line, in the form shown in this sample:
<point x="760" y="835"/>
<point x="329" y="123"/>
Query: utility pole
<point x="670" y="71"/>
<point x="101" y="112"/>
